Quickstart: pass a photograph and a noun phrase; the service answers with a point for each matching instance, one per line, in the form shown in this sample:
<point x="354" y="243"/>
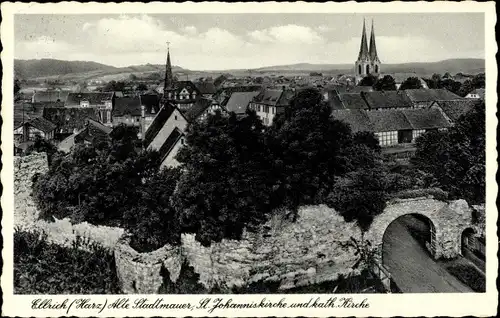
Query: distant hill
<point x="32" y="69"/>
<point x="48" y="67"/>
<point x="453" y="66"/>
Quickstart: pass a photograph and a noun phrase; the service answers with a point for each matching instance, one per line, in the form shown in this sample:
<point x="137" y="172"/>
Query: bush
<point x="187" y="283"/>
<point x="41" y="267"/>
<point x="437" y="193"/>
<point x="470" y="276"/>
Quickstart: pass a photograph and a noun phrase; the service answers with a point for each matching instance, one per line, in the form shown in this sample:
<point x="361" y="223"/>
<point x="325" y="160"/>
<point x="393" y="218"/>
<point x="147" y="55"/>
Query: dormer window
<point x="152" y="111"/>
<point x="84" y="103"/>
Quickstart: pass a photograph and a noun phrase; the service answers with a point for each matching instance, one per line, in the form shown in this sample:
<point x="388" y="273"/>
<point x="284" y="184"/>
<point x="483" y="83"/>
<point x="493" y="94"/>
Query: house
<point x="453" y="109"/>
<point x="238" y="102"/>
<point x="270" y="102"/>
<point x="201" y="109"/>
<point x="393" y="126"/>
<point x="166" y="134"/>
<point x="223" y="94"/>
<point x="127" y="111"/>
<point x="478" y="93"/>
<point x="69" y="120"/>
<point x="423" y="98"/>
<point x="91" y="131"/>
<point x="102" y="102"/>
<point x="183" y="94"/>
<point x="386" y="100"/>
<point x="206" y="88"/>
<point x="31" y="128"/>
<point x="353" y="101"/>
<point x="49" y="96"/>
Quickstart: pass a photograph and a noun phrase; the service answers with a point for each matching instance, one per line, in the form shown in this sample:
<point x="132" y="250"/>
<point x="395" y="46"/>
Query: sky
<point x="244" y="41"/>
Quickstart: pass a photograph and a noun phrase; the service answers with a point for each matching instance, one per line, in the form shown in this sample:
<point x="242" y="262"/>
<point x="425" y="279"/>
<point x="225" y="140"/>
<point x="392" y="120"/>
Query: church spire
<point x="168" y="72"/>
<point x="373" y="47"/>
<point x="363" y="50"/>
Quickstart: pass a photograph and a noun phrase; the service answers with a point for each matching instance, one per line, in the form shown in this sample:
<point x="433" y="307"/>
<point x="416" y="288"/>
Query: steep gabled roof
<point x="50" y="96"/>
<point x="40" y="123"/>
<point x="127" y="106"/>
<point x="69" y="119"/>
<point x="387" y="99"/>
<point x="388" y="120"/>
<point x="206" y="87"/>
<point x="456" y="108"/>
<point x="430" y="95"/>
<point x="425" y="118"/>
<point x="353" y="101"/>
<point x="169" y="143"/>
<point x="158" y="122"/>
<point x="238" y="102"/>
<point x="357" y="119"/>
<point x="274" y="97"/>
<point x="199" y="107"/>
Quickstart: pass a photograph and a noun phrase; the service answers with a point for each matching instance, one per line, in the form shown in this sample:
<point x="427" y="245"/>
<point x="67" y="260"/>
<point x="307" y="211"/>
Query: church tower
<point x="168" y="85"/>
<point x="375" y="61"/>
<point x="368" y="61"/>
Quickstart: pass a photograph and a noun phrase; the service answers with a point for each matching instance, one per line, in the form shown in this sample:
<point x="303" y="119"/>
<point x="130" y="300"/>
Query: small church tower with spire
<point x="368" y="61"/>
<point x="168" y="85"/>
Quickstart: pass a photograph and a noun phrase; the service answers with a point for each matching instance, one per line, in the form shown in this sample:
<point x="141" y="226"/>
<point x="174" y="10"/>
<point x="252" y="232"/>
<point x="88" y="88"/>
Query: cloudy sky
<point x="232" y="41"/>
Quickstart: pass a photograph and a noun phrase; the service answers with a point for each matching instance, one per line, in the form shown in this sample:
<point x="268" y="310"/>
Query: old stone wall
<point x="61" y="232"/>
<point x="316" y="248"/>
<point x="140" y="273"/>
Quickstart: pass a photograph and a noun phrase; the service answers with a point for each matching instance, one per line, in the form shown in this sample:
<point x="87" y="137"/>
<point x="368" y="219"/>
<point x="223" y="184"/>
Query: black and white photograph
<point x="250" y="153"/>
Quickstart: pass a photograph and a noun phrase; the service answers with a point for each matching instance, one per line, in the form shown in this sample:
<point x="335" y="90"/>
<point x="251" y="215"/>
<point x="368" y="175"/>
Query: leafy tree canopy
<point x="386" y="83"/>
<point x="411" y="83"/>
<point x="368" y="80"/>
<point x="457" y="157"/>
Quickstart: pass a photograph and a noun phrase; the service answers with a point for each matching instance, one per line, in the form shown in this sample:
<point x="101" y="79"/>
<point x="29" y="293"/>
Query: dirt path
<point x="411" y="266"/>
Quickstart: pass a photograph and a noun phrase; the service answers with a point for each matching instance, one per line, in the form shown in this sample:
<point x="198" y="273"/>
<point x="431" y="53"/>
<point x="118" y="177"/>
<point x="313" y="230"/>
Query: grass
<point x="41" y="267"/>
<point x="470" y="276"/>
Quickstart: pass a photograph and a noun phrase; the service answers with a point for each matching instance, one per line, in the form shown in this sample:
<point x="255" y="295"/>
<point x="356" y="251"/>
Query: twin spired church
<point x="368" y="61"/>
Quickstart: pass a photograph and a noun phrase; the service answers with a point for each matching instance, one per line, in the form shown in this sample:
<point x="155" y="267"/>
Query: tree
<point x="386" y="83"/>
<point x="42" y="145"/>
<point x="114" y="86"/>
<point x="451" y="85"/>
<point x="132" y="77"/>
<point x="478" y="81"/>
<point x="17" y="86"/>
<point x="465" y="88"/>
<point x="457" y="157"/>
<point x="219" y="80"/>
<point x="411" y="83"/>
<point x="97" y="182"/>
<point x="368" y="80"/>
<point x="226" y="185"/>
<point x="310" y="148"/>
<point x="141" y="87"/>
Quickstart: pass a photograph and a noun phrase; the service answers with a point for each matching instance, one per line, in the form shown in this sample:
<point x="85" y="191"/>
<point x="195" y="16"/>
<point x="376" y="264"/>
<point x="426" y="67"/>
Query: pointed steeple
<point x="363" y="50"/>
<point x="169" y="78"/>
<point x="373" y="47"/>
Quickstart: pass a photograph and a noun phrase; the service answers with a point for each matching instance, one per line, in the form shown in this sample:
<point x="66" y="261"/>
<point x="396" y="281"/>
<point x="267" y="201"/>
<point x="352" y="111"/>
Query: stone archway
<point x="467" y="240"/>
<point x="416" y="228"/>
<point x="449" y="219"/>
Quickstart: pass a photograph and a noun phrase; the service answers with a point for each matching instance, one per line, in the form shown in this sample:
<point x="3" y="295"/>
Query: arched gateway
<point x="447" y="222"/>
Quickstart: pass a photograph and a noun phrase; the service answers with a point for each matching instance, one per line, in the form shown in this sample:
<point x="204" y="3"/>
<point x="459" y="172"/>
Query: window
<point x="368" y="69"/>
<point x="387" y="138"/>
<point x="417" y="133"/>
<point x="137" y="119"/>
<point x="376" y="68"/>
<point x="359" y="69"/>
<point x="84" y="103"/>
<point x="175" y="117"/>
<point x="182" y="141"/>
